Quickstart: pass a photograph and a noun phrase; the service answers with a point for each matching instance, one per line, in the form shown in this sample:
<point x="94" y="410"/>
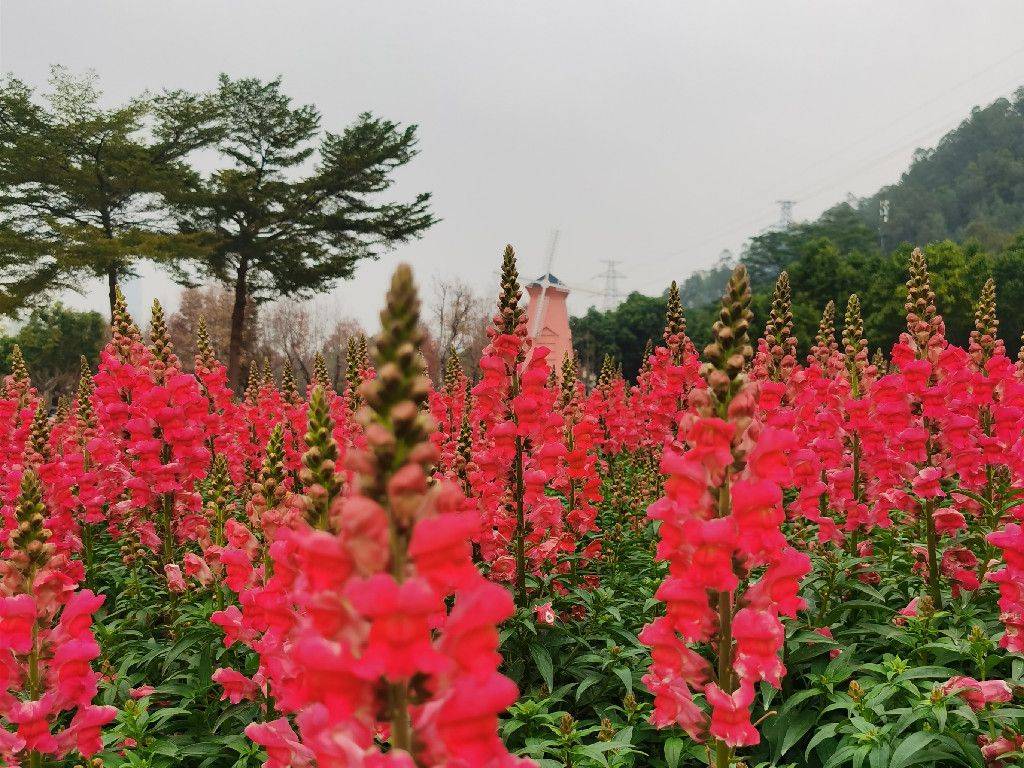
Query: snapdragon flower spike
<point x="721" y="519"/>
<point x="667" y="375"/>
<point x="18" y="406"/>
<point x="227" y="433"/>
<point x="609" y="401"/>
<point x="89" y="477"/>
<point x="151" y="417"/>
<point x="918" y="354"/>
<point x="776" y="358"/>
<point x="674" y="335"/>
<point x="46" y="643"/>
<point x="825" y="351"/>
<point x="368" y="645"/>
<point x="519" y="445"/>
<point x="448" y="406"/>
<point x="578" y="475"/>
<point x="358" y="369"/>
<point x="981" y="434"/>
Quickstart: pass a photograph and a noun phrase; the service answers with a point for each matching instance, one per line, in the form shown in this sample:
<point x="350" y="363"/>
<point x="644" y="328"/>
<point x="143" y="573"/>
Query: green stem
<point x="398" y="693"/>
<point x="35" y="758"/>
<point x="722" y="751"/>
<point x="166" y="513"/>
<point x="933" y="556"/>
<point x="520" y="534"/>
<point x="87" y="551"/>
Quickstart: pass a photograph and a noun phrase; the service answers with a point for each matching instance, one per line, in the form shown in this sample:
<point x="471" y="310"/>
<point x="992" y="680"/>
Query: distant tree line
<point x="962" y="200"/>
<point x="88" y="191"/>
<point x="54" y="338"/>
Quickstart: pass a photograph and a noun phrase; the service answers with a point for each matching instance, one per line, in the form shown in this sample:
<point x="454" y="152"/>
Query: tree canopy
<point x="83" y="187"/>
<point x="53" y="340"/>
<point x="295" y="207"/>
<point x="969" y="186"/>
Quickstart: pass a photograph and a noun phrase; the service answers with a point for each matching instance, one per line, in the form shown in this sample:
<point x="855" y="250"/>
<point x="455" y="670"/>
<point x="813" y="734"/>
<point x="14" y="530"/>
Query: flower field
<point x="741" y="558"/>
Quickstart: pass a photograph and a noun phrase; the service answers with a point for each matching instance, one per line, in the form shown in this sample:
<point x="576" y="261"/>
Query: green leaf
<point x="907" y="719"/>
<point x="842" y="754"/>
<point x="879" y="757"/>
<point x="969" y="750"/>
<point x="911" y="746"/>
<point x="841" y="667"/>
<point x="589" y="681"/>
<point x="625" y="676"/>
<point x="594" y="752"/>
<point x="165" y="714"/>
<point x="796" y="698"/>
<point x="798" y="727"/>
<point x="179" y="648"/>
<point x="542" y="659"/>
<point x="938" y="673"/>
<point x="825" y="732"/>
<point x="673" y="751"/>
<point x="165" y="748"/>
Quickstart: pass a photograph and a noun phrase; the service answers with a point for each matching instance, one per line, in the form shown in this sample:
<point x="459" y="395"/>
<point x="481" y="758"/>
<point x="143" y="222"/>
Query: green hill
<point x="963" y="201"/>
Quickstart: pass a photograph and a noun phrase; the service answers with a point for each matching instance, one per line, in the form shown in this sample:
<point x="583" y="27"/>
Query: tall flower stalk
<point x="721" y="519"/>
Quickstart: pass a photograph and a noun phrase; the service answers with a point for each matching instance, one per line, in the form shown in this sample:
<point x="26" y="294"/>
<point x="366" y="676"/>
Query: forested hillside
<point x="963" y="199"/>
<point x="971" y="185"/>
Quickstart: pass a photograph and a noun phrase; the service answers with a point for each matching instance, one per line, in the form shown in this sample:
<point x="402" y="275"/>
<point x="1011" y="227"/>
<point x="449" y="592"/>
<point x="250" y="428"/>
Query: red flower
<point x="284" y="750"/>
<point x="85" y="728"/>
<point x="236" y="685"/>
<point x="730" y="715"/>
<point x="74" y="678"/>
<point x="759" y="636"/>
<point x="709" y="546"/>
<point x="757" y="507"/>
<point x="769" y="459"/>
<point x="175" y="581"/>
<point x="32" y="719"/>
<point x="687" y="606"/>
<point x="17" y="617"/>
<point x="468" y="718"/>
<point x="400" y="642"/>
<point x="470" y="636"/>
<point x="977" y="694"/>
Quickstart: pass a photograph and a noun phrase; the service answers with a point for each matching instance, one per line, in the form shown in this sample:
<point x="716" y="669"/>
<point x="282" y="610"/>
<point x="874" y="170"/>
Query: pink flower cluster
<point x="362" y="600"/>
<point x="46" y="642"/>
<point x="731" y="572"/>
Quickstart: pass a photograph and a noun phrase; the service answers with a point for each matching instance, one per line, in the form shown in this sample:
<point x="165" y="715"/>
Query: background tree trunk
<point x="112" y="288"/>
<point x="237" y="325"/>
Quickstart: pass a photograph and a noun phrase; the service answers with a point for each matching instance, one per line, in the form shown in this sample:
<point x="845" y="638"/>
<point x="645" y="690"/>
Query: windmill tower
<point x="547" y="316"/>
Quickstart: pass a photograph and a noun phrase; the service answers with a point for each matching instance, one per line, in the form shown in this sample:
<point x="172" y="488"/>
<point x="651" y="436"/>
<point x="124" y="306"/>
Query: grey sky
<point x="653" y="133"/>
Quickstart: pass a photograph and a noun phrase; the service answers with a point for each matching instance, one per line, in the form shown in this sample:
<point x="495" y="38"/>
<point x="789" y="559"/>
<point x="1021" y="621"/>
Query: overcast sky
<point x="655" y="134"/>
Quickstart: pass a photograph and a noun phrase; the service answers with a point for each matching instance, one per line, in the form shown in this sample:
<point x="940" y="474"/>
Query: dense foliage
<point x="52" y="341"/>
<point x="970" y="186"/>
<point x="739" y="559"/>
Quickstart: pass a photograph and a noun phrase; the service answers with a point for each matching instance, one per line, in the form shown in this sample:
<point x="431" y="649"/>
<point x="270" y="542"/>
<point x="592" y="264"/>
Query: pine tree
<point x="275" y="231"/>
